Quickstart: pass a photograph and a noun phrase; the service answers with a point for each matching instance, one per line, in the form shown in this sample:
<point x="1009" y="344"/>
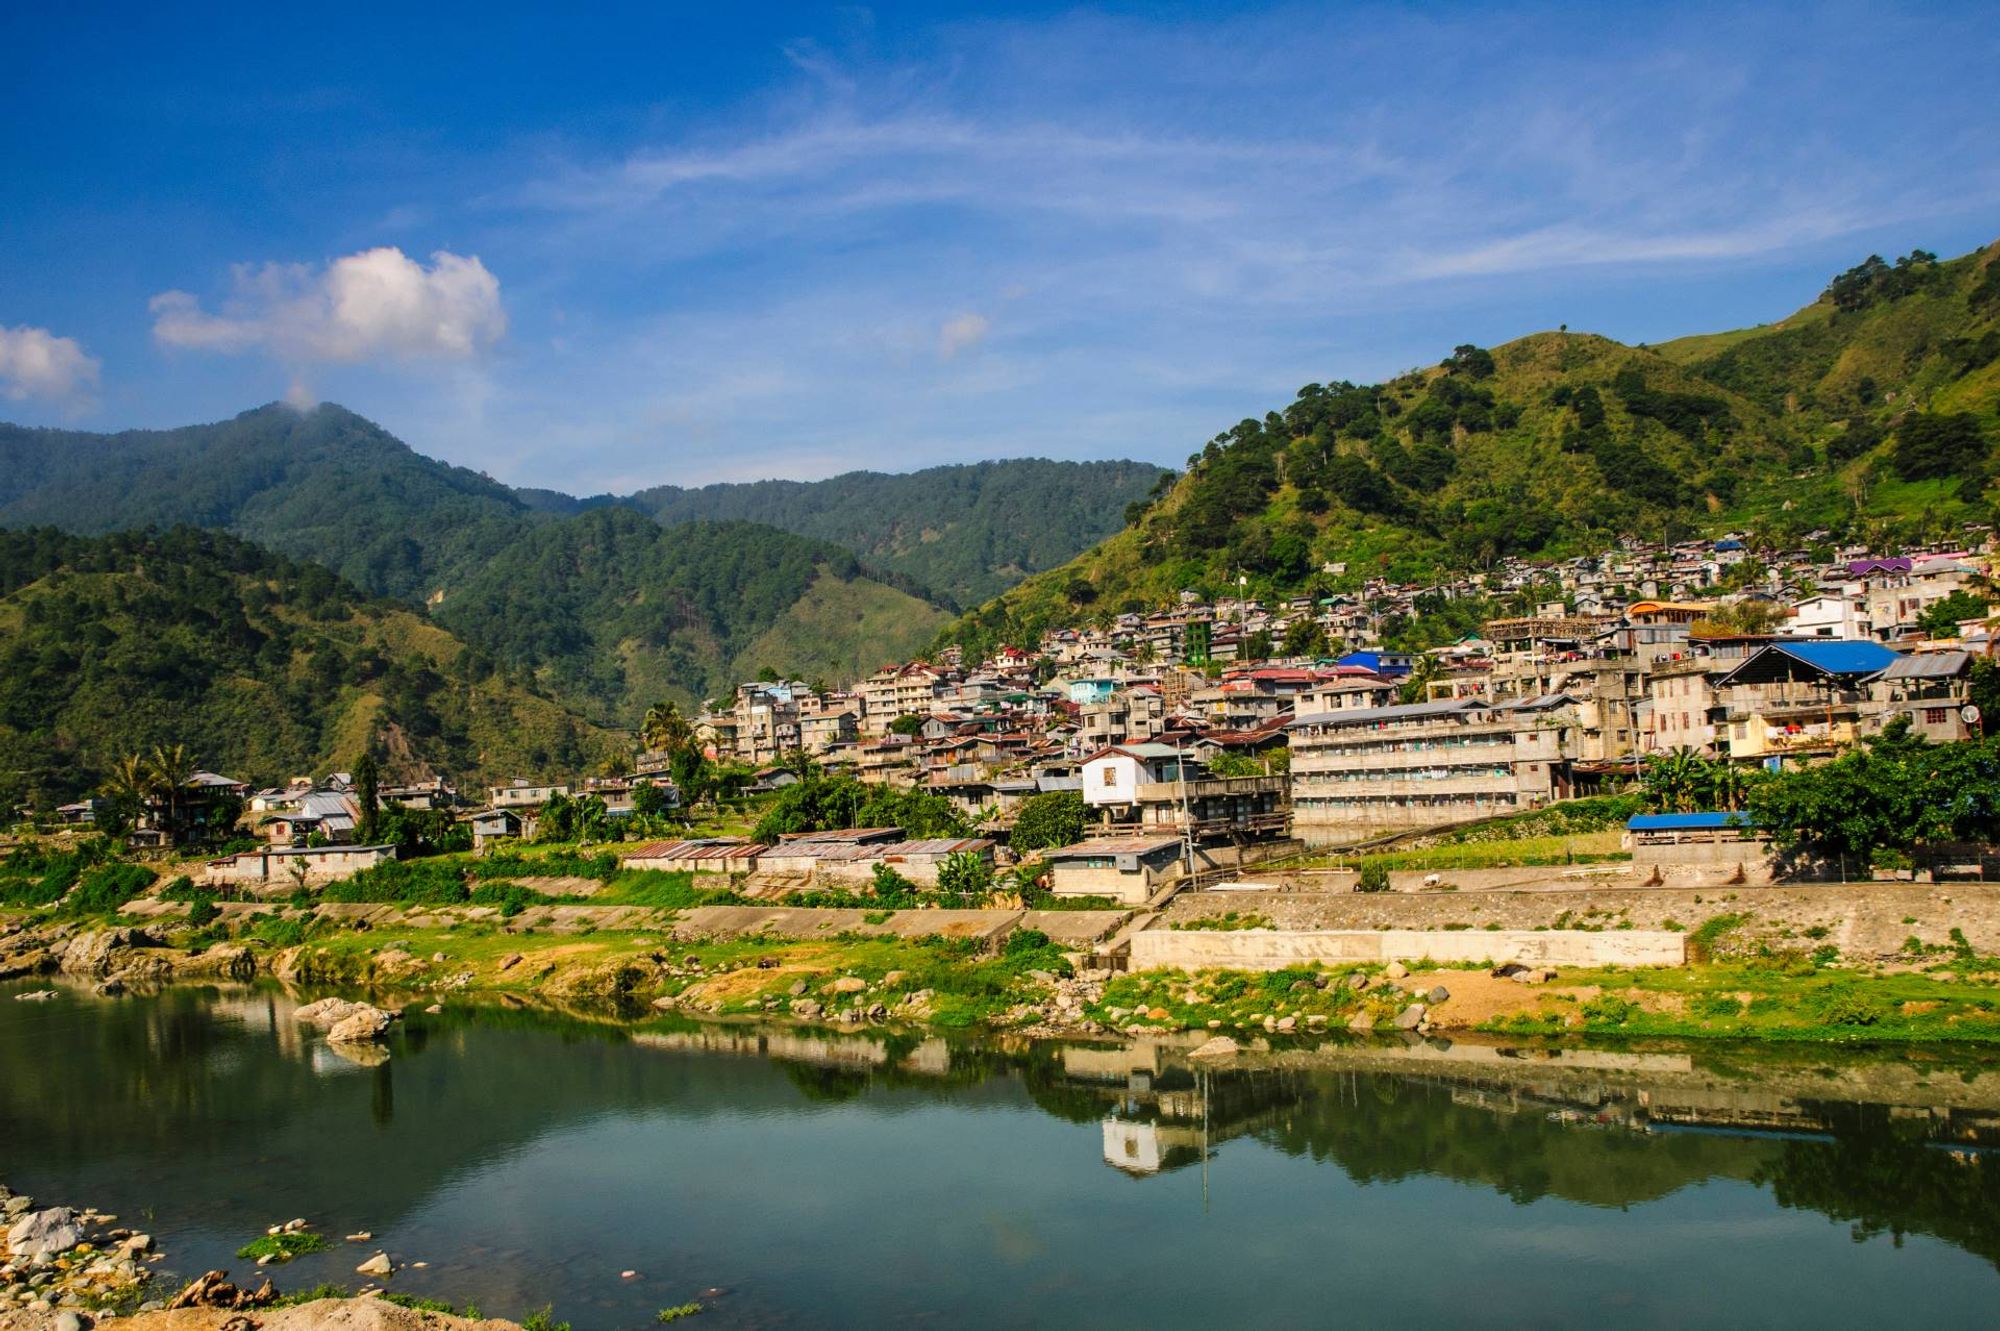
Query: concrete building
<point x="1127" y="869"/>
<point x="1382" y="769"/>
<point x="1160" y="789"/>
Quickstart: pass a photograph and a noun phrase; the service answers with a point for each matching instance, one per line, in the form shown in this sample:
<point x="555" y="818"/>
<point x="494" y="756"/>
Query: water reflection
<point x="516" y="1143"/>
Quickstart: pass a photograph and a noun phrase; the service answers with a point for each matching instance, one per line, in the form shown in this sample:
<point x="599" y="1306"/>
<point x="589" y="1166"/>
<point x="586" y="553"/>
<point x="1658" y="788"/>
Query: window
<point x="1110" y="777"/>
<point x="1936" y="716"/>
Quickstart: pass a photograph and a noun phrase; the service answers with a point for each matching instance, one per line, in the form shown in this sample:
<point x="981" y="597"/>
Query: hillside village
<point x="1221" y="733"/>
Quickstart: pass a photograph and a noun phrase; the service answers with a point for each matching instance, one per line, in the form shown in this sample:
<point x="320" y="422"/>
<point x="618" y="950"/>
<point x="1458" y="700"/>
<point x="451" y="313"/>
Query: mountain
<point x="264" y="667"/>
<point x="1869" y="412"/>
<point x="756" y="576"/>
<point x="674" y="611"/>
<point x="611" y="608"/>
<point x="965" y="532"/>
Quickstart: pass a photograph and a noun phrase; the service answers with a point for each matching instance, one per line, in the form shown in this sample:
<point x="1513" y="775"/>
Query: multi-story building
<point x="1379" y="769"/>
<point x="1162" y="789"/>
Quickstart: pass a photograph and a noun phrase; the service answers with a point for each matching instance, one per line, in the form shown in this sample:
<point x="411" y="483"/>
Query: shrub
<point x="104" y="889"/>
<point x="892" y="889"/>
<point x="560" y="865"/>
<point x="1374" y="877"/>
<point x="202" y="910"/>
<point x="543" y="1319"/>
<point x="421" y="882"/>
<point x="511" y="898"/>
<point x="1842" y="1005"/>
<point x="1025" y="940"/>
<point x="1702" y="942"/>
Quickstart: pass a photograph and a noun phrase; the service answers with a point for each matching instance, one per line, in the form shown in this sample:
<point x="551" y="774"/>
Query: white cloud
<point x="35" y="363"/>
<point x="962" y="332"/>
<point x="378" y="305"/>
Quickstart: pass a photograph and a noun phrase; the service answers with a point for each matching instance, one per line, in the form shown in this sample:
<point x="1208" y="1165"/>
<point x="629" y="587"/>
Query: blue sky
<point x="690" y="243"/>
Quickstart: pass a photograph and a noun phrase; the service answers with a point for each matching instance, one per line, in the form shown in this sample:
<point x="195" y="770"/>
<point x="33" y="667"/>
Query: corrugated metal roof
<point x="1124" y="845"/>
<point x="1368" y="716"/>
<point x="1928" y="665"/>
<point x="708" y="848"/>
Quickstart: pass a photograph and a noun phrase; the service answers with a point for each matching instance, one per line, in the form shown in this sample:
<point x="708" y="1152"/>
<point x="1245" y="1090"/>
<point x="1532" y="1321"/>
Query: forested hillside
<point x="965" y="532"/>
<point x="614" y="611"/>
<point x="262" y="666"/>
<point x="1868" y="413"/>
<point x="589" y="596"/>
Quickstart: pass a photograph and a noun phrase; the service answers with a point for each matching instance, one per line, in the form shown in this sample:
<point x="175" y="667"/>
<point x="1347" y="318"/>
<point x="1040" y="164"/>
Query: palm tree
<point x="171" y="770"/>
<point x="130" y="785"/>
<point x="664" y="729"/>
<point x="1679" y="780"/>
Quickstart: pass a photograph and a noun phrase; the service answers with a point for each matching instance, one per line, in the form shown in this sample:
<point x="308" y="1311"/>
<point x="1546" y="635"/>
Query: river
<point x="894" y="1179"/>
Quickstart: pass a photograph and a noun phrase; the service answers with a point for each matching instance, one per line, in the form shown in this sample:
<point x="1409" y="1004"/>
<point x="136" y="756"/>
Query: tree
<point x="1305" y="637"/>
<point x="648" y="800"/>
<point x="964" y="879"/>
<point x="1941" y="618"/>
<point x="1930" y="445"/>
<point x="368" y="797"/>
<point x="1741" y="617"/>
<point x="1683" y="781"/>
<point x="172" y="769"/>
<point x="1256" y="646"/>
<point x="665" y="730"/>
<point x="1471" y="361"/>
<point x="1050" y="819"/>
<point x="906" y="724"/>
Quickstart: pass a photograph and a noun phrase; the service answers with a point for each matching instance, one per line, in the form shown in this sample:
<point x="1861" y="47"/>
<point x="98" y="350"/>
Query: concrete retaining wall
<point x="1266" y="950"/>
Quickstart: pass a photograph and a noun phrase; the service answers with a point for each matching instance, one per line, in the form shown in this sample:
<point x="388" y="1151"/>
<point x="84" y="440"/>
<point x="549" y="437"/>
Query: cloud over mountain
<point x="377" y="305"/>
<point x="35" y="363"/>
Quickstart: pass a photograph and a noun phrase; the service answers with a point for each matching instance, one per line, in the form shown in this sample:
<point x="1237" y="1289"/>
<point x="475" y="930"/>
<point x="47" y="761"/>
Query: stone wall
<point x="1861" y="919"/>
<point x="1265" y="950"/>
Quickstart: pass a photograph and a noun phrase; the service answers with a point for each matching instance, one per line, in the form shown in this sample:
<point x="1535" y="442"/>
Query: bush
<point x="1025" y="940"/>
<point x="1842" y="1005"/>
<point x="561" y="865"/>
<point x="894" y="890"/>
<point x="1374" y="877"/>
<point x="103" y="890"/>
<point x="964" y="879"/>
<point x="399" y="882"/>
<point x="202" y="910"/>
<point x="511" y="898"/>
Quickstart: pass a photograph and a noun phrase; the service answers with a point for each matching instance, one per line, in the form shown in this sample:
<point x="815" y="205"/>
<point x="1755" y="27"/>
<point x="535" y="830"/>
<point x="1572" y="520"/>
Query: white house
<point x="1114" y="775"/>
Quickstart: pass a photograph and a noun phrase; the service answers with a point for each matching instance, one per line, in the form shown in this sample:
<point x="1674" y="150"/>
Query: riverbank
<point x="72" y="1268"/>
<point x="1746" y="984"/>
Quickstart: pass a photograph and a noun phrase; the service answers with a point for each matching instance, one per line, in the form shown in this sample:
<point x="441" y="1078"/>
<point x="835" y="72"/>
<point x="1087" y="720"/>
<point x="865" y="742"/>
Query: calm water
<point x="897" y="1181"/>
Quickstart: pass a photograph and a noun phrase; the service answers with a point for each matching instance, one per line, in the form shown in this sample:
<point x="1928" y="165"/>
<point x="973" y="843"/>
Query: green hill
<point x="964" y="532"/>
<point x="606" y="608"/>
<point x="1870" y="412"/>
<point x="264" y="667"/>
<point x="615" y="611"/>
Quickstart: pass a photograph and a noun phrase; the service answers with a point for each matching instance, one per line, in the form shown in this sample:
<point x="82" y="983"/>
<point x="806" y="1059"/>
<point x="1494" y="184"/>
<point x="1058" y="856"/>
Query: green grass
<point x="677" y="1312"/>
<point x="1521" y="852"/>
<point x="318" y="1292"/>
<point x="283" y="1247"/>
<point x="1788" y="1003"/>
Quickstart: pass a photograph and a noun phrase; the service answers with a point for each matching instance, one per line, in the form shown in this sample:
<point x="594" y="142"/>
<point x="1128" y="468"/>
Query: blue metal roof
<point x="1840" y="656"/>
<point x="1684" y="822"/>
<point x="1849" y="657"/>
